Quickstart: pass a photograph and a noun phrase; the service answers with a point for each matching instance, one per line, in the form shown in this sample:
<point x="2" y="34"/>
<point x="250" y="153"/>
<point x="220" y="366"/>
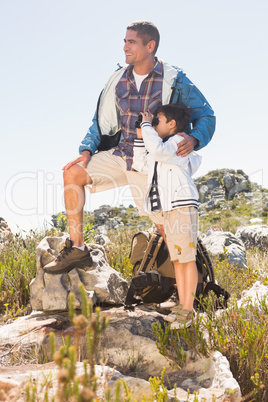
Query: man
<point x="142" y="86"/>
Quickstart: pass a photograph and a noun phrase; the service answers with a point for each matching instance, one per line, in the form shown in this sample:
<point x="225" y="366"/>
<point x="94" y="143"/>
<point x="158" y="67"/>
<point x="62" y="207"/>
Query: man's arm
<point x="87" y="147"/>
<point x="92" y="139"/>
<point x="202" y="115"/>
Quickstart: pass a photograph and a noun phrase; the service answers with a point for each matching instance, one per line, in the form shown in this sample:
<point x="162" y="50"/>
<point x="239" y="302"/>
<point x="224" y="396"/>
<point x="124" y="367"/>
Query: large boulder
<point x="220" y="243"/>
<point x="127" y="343"/>
<point x="255" y="295"/>
<point x="235" y="183"/>
<point x="213" y="371"/>
<point x="102" y="283"/>
<point x="254" y="236"/>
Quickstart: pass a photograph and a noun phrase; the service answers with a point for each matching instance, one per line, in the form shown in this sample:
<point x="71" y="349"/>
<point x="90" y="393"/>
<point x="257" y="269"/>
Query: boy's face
<point x="164" y="128"/>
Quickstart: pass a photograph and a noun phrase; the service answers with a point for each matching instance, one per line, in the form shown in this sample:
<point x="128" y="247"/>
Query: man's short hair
<point x="180" y="113"/>
<point x="147" y="31"/>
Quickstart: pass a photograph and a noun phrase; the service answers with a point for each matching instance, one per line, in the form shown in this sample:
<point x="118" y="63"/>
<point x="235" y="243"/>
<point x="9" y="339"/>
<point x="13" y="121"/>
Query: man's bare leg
<point x="75" y="179"/>
<point x="75" y="254"/>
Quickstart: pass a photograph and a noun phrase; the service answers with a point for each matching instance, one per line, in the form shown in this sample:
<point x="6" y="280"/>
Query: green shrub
<point x="17" y="269"/>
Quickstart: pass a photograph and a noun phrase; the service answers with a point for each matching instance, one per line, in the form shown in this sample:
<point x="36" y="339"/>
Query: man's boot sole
<point x="81" y="264"/>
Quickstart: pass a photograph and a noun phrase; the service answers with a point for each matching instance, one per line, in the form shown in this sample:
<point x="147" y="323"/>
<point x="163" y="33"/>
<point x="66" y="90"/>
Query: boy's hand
<point x="147" y="116"/>
<point x="139" y="133"/>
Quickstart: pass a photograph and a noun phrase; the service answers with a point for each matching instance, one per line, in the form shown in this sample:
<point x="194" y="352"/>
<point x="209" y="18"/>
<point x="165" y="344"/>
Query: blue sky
<point x="57" y="55"/>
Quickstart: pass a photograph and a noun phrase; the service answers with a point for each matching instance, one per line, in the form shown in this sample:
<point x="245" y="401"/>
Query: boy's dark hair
<point x="180" y="113"/>
<point x="147" y="31"/>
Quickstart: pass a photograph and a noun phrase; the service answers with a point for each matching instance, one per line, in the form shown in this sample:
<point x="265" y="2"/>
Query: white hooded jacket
<point x="175" y="185"/>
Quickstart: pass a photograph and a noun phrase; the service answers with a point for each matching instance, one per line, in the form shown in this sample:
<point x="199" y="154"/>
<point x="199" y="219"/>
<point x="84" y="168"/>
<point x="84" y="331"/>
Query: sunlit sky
<point x="57" y="55"/>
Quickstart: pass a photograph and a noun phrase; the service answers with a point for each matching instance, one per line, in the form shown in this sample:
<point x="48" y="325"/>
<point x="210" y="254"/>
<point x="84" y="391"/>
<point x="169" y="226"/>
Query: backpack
<point x="153" y="277"/>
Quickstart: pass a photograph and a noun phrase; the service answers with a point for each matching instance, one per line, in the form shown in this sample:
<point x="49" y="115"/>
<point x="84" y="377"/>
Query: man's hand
<point x="187" y="145"/>
<point x="84" y="157"/>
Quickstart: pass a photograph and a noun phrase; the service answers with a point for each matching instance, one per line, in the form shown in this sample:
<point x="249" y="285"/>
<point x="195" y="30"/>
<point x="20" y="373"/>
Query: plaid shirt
<point x="131" y="103"/>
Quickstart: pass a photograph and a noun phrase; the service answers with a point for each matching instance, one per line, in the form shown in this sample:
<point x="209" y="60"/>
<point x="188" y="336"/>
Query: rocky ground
<point x="128" y="345"/>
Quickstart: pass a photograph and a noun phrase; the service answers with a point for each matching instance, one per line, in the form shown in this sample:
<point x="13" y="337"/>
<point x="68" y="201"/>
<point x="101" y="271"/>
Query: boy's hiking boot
<point x="69" y="258"/>
<point x="183" y="320"/>
<point x="169" y="304"/>
<point x="175" y="312"/>
<point x="180" y="317"/>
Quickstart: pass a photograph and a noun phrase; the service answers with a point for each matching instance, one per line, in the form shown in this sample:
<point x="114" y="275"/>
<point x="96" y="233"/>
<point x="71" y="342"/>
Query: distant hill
<point x="228" y="200"/>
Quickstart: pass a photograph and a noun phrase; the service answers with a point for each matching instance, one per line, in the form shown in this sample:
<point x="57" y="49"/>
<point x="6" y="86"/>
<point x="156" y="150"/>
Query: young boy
<point x="172" y="196"/>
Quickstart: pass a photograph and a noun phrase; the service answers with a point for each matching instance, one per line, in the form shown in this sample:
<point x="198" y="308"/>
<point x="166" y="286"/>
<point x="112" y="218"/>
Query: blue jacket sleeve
<point x="202" y="115"/>
<point x="92" y="138"/>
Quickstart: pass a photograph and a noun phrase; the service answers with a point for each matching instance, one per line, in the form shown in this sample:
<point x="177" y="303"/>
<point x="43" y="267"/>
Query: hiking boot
<point x="175" y="311"/>
<point x="69" y="258"/>
<point x="183" y="320"/>
<point x="167" y="305"/>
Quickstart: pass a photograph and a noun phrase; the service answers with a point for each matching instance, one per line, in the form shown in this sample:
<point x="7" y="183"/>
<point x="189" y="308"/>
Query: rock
<point x="229" y="181"/>
<point x="54" y="295"/>
<point x="128" y="342"/>
<point x="102" y="229"/>
<point x="223" y="381"/>
<point x="14" y="390"/>
<point x="249" y="196"/>
<point x="254" y="236"/>
<point x="213" y="182"/>
<point x="241" y="185"/>
<point x="142" y="224"/>
<point x="255" y="220"/>
<point x="203" y="214"/>
<point x="217" y="241"/>
<point x="203" y="192"/>
<point x="102" y="239"/>
<point x="102" y="283"/>
<point x="227" y="184"/>
<point x="255" y="294"/>
<point x="211" y="378"/>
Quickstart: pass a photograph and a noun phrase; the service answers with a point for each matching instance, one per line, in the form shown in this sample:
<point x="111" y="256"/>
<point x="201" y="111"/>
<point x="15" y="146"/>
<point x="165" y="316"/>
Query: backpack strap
<point x="151" y="252"/>
<point x="205" y="260"/>
<point x="130" y="298"/>
<point x="146" y="264"/>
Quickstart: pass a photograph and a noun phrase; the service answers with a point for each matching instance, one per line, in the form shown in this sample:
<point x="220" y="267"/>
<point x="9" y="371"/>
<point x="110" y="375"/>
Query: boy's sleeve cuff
<point x="138" y="142"/>
<point x="146" y="124"/>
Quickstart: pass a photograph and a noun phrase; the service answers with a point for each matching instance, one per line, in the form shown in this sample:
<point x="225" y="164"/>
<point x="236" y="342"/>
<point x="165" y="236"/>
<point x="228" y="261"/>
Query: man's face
<point x="136" y="52"/>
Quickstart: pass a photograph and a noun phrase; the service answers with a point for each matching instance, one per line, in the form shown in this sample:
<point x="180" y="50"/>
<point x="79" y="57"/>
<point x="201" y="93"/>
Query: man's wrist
<point x="87" y="150"/>
<point x="194" y="141"/>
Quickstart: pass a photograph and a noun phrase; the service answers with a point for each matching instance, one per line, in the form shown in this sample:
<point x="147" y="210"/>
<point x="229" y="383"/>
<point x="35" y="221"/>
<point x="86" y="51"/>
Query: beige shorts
<point x="109" y="171"/>
<point x="181" y="228"/>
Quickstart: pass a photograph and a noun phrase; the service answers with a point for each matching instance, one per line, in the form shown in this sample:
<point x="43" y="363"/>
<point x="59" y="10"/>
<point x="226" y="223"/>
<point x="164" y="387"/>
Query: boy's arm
<point x="162" y="151"/>
<point x="140" y="162"/>
<point x="140" y="156"/>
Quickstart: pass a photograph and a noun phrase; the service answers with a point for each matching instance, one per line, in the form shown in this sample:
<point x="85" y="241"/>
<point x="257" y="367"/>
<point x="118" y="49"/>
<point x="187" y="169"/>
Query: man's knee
<point x="76" y="175"/>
